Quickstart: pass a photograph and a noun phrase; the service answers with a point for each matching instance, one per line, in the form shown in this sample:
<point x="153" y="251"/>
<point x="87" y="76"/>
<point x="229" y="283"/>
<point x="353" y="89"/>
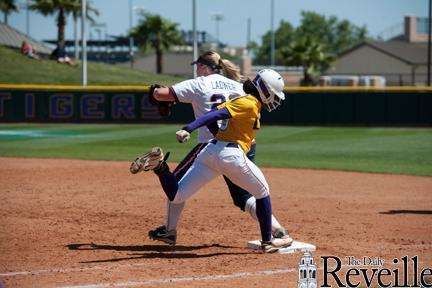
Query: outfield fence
<point x="391" y="106"/>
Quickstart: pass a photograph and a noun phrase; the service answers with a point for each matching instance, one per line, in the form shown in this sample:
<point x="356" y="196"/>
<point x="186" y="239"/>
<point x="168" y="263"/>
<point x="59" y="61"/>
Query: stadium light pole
<point x="272" y="44"/>
<point x="131" y="40"/>
<point x="248" y="38"/>
<point x="217" y="16"/>
<point x="75" y="32"/>
<point x="194" y="36"/>
<point x="429" y="44"/>
<point x="25" y="4"/>
<point x="84" y="42"/>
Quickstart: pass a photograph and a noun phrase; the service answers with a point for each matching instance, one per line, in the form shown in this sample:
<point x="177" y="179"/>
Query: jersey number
<point x="220" y="98"/>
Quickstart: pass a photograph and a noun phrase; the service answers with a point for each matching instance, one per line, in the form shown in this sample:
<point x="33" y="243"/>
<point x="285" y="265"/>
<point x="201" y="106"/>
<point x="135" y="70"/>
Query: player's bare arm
<point x="164" y="94"/>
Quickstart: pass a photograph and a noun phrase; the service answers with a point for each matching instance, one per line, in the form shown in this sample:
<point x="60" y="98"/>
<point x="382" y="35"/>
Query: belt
<point x="228" y="144"/>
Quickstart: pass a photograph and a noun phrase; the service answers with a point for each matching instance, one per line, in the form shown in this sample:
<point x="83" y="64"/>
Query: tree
<point x="309" y="54"/>
<point x="62" y="8"/>
<point x="310" y="45"/>
<point x="283" y="36"/>
<point x="335" y="35"/>
<point x="158" y="33"/>
<point x="8" y="6"/>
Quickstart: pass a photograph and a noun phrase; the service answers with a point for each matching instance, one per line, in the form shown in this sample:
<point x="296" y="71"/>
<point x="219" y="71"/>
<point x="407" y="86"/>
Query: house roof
<point x="13" y="38"/>
<point x="413" y="53"/>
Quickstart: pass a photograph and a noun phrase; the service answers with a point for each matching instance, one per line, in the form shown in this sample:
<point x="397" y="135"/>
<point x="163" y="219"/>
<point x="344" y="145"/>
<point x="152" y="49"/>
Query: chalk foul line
<point x="68" y="270"/>
<point x="184" y="279"/>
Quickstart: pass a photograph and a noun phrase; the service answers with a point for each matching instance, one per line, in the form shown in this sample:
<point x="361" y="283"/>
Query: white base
<point x="295" y="247"/>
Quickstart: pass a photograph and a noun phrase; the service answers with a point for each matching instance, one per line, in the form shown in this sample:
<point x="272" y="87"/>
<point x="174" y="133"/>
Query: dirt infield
<point x="70" y="223"/>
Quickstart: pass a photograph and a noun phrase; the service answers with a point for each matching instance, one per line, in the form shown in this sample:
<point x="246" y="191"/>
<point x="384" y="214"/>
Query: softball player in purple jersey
<point x="225" y="153"/>
<point x="205" y="92"/>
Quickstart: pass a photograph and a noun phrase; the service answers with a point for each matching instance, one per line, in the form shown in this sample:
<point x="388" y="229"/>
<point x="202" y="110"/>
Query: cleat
<point x="162" y="234"/>
<point x="276" y="243"/>
<point x="280" y="233"/>
<point x="149" y="161"/>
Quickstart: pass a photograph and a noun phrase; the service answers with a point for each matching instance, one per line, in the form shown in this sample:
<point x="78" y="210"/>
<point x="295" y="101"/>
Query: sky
<point x="377" y="15"/>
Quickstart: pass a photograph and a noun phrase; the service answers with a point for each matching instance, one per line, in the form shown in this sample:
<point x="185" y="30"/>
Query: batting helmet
<point x="270" y="86"/>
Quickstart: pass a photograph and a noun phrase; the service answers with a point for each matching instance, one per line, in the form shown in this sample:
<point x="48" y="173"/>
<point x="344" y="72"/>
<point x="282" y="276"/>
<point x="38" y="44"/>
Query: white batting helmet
<point x="270" y="86"/>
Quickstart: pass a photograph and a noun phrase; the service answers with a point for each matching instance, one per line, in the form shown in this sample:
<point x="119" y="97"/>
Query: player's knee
<point x="262" y="193"/>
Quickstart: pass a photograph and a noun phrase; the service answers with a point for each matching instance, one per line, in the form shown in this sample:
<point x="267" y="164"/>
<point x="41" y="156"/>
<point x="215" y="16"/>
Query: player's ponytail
<point x="217" y="64"/>
<point x="230" y="70"/>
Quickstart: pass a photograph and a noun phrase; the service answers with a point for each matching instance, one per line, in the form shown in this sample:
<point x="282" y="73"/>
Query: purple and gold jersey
<point x="243" y="125"/>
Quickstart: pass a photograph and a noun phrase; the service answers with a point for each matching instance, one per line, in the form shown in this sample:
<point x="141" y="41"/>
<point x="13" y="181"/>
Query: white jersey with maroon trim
<point x="205" y="93"/>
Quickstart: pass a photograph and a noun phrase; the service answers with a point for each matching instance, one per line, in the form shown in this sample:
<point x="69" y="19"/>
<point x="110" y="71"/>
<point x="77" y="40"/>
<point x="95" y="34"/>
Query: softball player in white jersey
<point x="205" y="92"/>
<point x="225" y="154"/>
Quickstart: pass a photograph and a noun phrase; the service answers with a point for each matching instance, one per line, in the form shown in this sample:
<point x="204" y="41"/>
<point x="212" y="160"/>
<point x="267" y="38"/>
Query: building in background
<point x="177" y="61"/>
<point x="352" y="80"/>
<point x="115" y="50"/>
<point x="401" y="60"/>
<point x="111" y="50"/>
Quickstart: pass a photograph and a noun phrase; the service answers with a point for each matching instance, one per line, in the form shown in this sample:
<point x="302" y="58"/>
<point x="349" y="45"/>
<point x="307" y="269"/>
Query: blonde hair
<point x="229" y="69"/>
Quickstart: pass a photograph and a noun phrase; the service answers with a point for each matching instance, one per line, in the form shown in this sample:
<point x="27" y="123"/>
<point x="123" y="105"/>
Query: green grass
<point x="18" y="69"/>
<point x="384" y="150"/>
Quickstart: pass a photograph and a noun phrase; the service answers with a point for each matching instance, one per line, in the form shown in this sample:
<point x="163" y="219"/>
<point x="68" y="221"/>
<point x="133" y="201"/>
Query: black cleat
<point x="162" y="234"/>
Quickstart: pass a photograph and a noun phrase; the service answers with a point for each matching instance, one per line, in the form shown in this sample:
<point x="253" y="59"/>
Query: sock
<point x="264" y="212"/>
<point x="167" y="180"/>
<point x="250" y="207"/>
<point x="174" y="211"/>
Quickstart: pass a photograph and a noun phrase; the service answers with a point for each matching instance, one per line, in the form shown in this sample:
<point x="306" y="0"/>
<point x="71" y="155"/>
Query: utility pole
<point x="429" y="45"/>
<point x="248" y="40"/>
<point x="84" y="42"/>
<point x="75" y="32"/>
<point x="272" y="44"/>
<point x="131" y="40"/>
<point x="195" y="40"/>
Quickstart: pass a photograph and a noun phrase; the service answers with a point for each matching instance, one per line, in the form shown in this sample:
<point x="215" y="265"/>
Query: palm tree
<point x="8" y="6"/>
<point x="158" y="33"/>
<point x="310" y="55"/>
<point x="61" y="8"/>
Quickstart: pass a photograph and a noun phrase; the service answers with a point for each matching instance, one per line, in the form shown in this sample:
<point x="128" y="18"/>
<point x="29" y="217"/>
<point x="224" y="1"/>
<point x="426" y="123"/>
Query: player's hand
<point x="182" y="136"/>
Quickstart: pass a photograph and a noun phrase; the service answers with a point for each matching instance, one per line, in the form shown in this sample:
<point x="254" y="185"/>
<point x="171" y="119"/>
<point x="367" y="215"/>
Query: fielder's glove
<point x="164" y="107"/>
<point x="182" y="136"/>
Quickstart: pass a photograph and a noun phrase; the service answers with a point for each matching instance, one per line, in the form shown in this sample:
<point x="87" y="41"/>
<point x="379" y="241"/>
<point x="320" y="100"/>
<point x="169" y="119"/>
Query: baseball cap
<point x="206" y="62"/>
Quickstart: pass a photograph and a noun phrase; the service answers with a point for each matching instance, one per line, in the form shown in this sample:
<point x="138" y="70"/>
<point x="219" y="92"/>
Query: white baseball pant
<point x="222" y="158"/>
